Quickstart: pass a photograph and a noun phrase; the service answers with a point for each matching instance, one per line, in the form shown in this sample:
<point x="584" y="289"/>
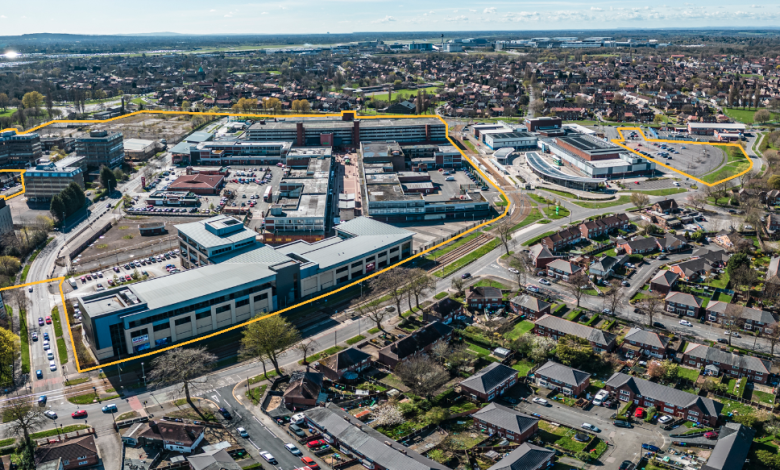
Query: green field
<point x="520" y="329"/>
<point x="403" y="93"/>
<point x="601" y="205"/>
<point x="746" y="115"/>
<point x="735" y="164"/>
<point x="533" y="217"/>
<point x="662" y="192"/>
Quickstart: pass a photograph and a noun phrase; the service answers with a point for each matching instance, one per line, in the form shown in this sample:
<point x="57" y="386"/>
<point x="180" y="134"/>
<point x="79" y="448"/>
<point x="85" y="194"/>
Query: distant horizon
<point x="201" y="18"/>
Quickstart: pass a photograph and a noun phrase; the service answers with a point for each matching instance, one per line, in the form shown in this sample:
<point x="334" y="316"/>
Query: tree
<point x="269" y="337"/>
<point x="22" y="419"/>
<point x="614" y="297"/>
<point x="577" y="285"/>
<point x="542" y="347"/>
<point x="305" y="347"/>
<point x="458" y="284"/>
<point x="773" y="336"/>
<point x="774" y="181"/>
<point x="536" y="106"/>
<point x="185" y="105"/>
<point x="573" y="351"/>
<point x="33" y="100"/>
<point x="733" y="317"/>
<point x="520" y="262"/>
<point x="658" y="119"/>
<point x="420" y="283"/>
<point x="4" y="101"/>
<point x="651" y="306"/>
<point x="422" y="375"/>
<point x="670" y="371"/>
<point x="181" y="367"/>
<point x="374" y="311"/>
<point x="504" y="231"/>
<point x="640" y="200"/>
<point x="119" y="174"/>
<point x="697" y="200"/>
<point x="107" y="178"/>
<point x="762" y="116"/>
<point x="393" y="282"/>
<point x="737" y="260"/>
<point x="387" y="415"/>
<point x="523" y="345"/>
<point x="655" y="370"/>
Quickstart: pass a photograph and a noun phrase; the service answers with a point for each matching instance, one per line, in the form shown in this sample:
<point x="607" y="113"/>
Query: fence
<point x="755" y="404"/>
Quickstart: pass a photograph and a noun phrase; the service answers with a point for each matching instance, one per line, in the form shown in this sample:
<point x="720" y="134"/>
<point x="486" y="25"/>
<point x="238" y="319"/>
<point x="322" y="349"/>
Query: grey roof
<point x="575" y="329"/>
<point x="530" y="302"/>
<point x="746" y="313"/>
<point x="345" y="359"/>
<point x="539" y="164"/>
<point x="506" y="418"/>
<point x="707" y="353"/>
<point x="564" y="266"/>
<point x="217" y="459"/>
<point x="712" y="255"/>
<point x="540" y="251"/>
<point x="695" y="266"/>
<point x="489" y="378"/>
<point x="525" y="457"/>
<point x="198" y="232"/>
<point x="605" y="264"/>
<point x="368" y="441"/>
<point x="648" y="243"/>
<point x="771" y="273"/>
<point x="684" y="299"/>
<point x="663" y="393"/>
<point x="646" y="337"/>
<point x="665" y="278"/>
<point x="563" y="373"/>
<point x="731" y="450"/>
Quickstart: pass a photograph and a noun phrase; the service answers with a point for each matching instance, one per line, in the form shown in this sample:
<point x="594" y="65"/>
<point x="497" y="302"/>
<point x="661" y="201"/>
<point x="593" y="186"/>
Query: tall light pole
<point x="143" y="374"/>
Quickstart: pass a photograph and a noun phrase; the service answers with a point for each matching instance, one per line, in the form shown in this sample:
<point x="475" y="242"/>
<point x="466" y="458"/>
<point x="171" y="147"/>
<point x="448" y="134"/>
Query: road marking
<point x="215" y="398"/>
<point x="253" y="443"/>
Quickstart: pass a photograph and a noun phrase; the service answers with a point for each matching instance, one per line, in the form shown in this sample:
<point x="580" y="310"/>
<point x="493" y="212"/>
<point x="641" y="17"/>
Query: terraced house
<point x="644" y="343"/>
<point x="529" y="306"/>
<point x="506" y="423"/>
<point x="562" y="239"/>
<point x="680" y="303"/>
<point x="554" y="327"/>
<point x="489" y="383"/>
<point x="751" y="319"/>
<point x="556" y="376"/>
<point x="604" y="225"/>
<point x="562" y="269"/>
<point x="730" y="363"/>
<point x="666" y="400"/>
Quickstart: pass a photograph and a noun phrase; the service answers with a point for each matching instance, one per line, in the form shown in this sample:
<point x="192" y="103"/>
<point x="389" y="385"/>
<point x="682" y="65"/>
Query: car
<point x="100" y="287"/>
<point x="627" y="465"/>
<point x="50" y="414"/>
<point x="52" y="366"/>
<point x="128" y="278"/>
<point x="242" y="432"/>
<point x="639" y="412"/>
<point x="723" y="340"/>
<point x="711" y="435"/>
<point x="533" y="289"/>
<point x="309" y="462"/>
<point x="225" y="413"/>
<point x="664" y="419"/>
<point x="79" y="414"/>
<point x="295" y="429"/>
<point x="658" y="324"/>
<point x="465" y="275"/>
<point x="590" y="427"/>
<point x="268" y="457"/>
<point x="625" y="284"/>
<point x="292" y="449"/>
<point x="630" y="265"/>
<point x="30" y="289"/>
<point x="642" y="363"/>
<point x="48" y="320"/>
<point x="606" y="311"/>
<point x="40" y="321"/>
<point x="544" y="281"/>
<point x="316" y="443"/>
<point x="42" y="400"/>
<point x="735" y="335"/>
<point x="540" y="401"/>
<point x="651" y="447"/>
<point x="49" y="355"/>
<point x="600" y="397"/>
<point x="45" y="345"/>
<point x="685" y="323"/>
<point x="110" y="408"/>
<point x="513" y="271"/>
<point x="34" y="336"/>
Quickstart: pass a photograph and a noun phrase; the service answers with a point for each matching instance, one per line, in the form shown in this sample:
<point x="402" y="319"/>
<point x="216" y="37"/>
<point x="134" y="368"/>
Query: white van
<point x="298" y="419"/>
<point x="73" y="283"/>
<point x="449" y="178"/>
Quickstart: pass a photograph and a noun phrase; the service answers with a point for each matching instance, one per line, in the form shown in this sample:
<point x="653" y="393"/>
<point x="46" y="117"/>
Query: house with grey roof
<point x="554" y="327"/>
<point x="664" y="281"/>
<point x="666" y="400"/>
<point x="638" y="245"/>
<point x="555" y="376"/>
<point x="344" y="365"/>
<point x="750" y="319"/>
<point x="541" y="256"/>
<point x="732" y="448"/>
<point x="562" y="269"/>
<point x="692" y="269"/>
<point x="644" y="343"/>
<point x="671" y="243"/>
<point x="358" y="441"/>
<point x="526" y="457"/>
<point x="445" y="310"/>
<point x="730" y="363"/>
<point x="717" y="258"/>
<point x="680" y="303"/>
<point x="529" y="306"/>
<point x="489" y="383"/>
<point x="505" y="422"/>
<point x="605" y="267"/>
<point x="419" y="342"/>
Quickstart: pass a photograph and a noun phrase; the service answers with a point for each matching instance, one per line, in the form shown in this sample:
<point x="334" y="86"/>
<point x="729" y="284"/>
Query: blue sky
<point x="344" y="16"/>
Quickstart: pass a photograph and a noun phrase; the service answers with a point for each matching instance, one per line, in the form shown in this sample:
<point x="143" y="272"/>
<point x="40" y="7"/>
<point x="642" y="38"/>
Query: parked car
<point x="533" y="289"/>
<point x="590" y="427"/>
<point x="309" y="462"/>
<point x="242" y="432"/>
<point x="664" y="419"/>
<point x="711" y="435"/>
<point x="651" y="447"/>
<point x="600" y="397"/>
<point x="639" y="412"/>
<point x="292" y="449"/>
<point x="685" y="323"/>
<point x="544" y="281"/>
<point x="316" y="443"/>
<point x="723" y="340"/>
<point x="622" y="424"/>
<point x="627" y="465"/>
<point x="297" y="430"/>
<point x="50" y="414"/>
<point x="540" y="401"/>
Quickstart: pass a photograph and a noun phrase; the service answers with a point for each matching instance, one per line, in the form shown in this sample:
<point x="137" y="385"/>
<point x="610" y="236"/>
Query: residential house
<point x="554" y="327"/>
<point x="344" y="365"/>
<point x="664" y="281"/>
<point x="177" y="437"/>
<point x="680" y="303"/>
<point x="667" y="206"/>
<point x="55" y="464"/>
<point x="644" y="342"/>
<point x="484" y="297"/>
<point x="562" y="239"/>
<point x="603" y="226"/>
<point x="716" y="258"/>
<point x="751" y="319"/>
<point x="605" y="267"/>
<point x="445" y="310"/>
<point x="488" y="383"/>
<point x="725" y="239"/>
<point x="638" y="245"/>
<point x="422" y="340"/>
<point x="692" y="269"/>
<point x="355" y="440"/>
<point x="75" y="453"/>
<point x="731" y="364"/>
<point x="541" y="256"/>
<point x="304" y="389"/>
<point x="671" y="243"/>
<point x="215" y="459"/>
<point x="529" y="306"/>
<point x="555" y="376"/>
<point x="666" y="400"/>
<point x="772" y="275"/>
<point x="526" y="457"/>
<point x="772" y="223"/>
<point x="732" y="448"/>
<point x="497" y="420"/>
<point x="562" y="269"/>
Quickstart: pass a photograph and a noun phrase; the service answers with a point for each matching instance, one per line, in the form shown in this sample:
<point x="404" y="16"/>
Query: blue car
<point x="46" y="335"/>
<point x="39" y="373"/>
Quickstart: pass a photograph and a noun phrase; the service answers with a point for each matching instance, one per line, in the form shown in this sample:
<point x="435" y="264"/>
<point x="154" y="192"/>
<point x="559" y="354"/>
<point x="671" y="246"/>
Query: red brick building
<point x="421" y="341"/>
<point x="75" y="453"/>
<point x="506" y="423"/>
<point x="349" y="360"/>
<point x="484" y="297"/>
<point x="489" y="383"/>
<point x="529" y="306"/>
<point x="554" y="327"/>
<point x="569" y="381"/>
<point x="199" y="184"/>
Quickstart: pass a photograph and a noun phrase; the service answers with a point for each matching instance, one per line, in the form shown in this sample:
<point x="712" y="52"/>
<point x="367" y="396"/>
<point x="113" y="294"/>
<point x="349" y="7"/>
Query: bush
<point x="582" y="455"/>
<point x="650" y="413"/>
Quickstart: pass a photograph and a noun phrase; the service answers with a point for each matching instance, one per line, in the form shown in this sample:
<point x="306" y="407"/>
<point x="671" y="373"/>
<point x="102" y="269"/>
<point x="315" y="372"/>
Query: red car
<point x="711" y="435"/>
<point x="639" y="413"/>
<point x="128" y="278"/>
<point x="315" y="443"/>
<point x="48" y="320"/>
<point x="309" y="462"/>
<point x="79" y="414"/>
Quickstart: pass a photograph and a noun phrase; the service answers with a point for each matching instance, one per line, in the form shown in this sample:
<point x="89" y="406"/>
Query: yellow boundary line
<point x="241" y="325"/>
<point x="685" y="142"/>
<point x="21" y="173"/>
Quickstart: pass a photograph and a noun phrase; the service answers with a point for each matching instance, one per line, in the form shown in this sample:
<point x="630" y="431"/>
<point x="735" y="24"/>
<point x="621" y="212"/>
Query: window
<point x="223" y="308"/>
<point x="183" y="321"/>
<point x="241" y="303"/>
<point x="669" y="410"/>
<point x="162" y="326"/>
<point x="260" y="297"/>
<point x="624" y="392"/>
<point x="202" y="315"/>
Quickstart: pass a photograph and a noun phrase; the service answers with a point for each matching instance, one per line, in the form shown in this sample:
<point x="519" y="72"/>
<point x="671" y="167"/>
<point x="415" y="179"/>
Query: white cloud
<point x="229" y="15"/>
<point x="473" y="11"/>
<point x="386" y="19"/>
<point x="212" y="11"/>
<point x="3" y="16"/>
<point x="264" y="13"/>
<point x="595" y="9"/>
<point x="456" y="18"/>
<point x="489" y="11"/>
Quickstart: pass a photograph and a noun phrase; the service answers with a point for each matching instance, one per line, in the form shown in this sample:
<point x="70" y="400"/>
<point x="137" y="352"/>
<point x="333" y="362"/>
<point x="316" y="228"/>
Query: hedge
<point x="592" y="320"/>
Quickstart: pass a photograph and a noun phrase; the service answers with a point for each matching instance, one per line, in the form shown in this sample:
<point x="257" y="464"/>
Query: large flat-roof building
<point x="6" y="222"/>
<point x="48" y="179"/>
<point x="516" y="140"/>
<point x="237" y="278"/>
<point x="139" y="149"/>
<point x="239" y="152"/>
<point x="19" y="150"/>
<point x="101" y="148"/>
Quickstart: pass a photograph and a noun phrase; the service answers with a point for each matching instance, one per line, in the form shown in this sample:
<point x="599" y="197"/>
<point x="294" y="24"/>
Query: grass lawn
<point x="24" y="336"/>
<point x="561" y="436"/>
<point x="373" y="331"/>
<point x="479" y="350"/>
<point x="77" y="381"/>
<point x="503" y="202"/>
<point x="470" y="145"/>
<point x="259" y="378"/>
<point x="520" y="329"/>
<point x="489" y="283"/>
<point x="736" y="163"/>
<point x="55" y="317"/>
<point x="690" y="374"/>
<point x="562" y="212"/>
<point x="722" y="282"/>
<point x="62" y="350"/>
<point x="355" y="339"/>
<point x="730" y="406"/>
<point x="533" y="217"/>
<point x="440" y="295"/>
<point x="601" y="205"/>
<point x="746" y="115"/>
<point x="523" y="368"/>
<point x="456" y="244"/>
<point x="53" y="431"/>
<point x="536" y="239"/>
<point x="256" y="393"/>
<point x="473" y="256"/>
<point x="328" y="352"/>
<point x="662" y="192"/>
<point x="763" y="397"/>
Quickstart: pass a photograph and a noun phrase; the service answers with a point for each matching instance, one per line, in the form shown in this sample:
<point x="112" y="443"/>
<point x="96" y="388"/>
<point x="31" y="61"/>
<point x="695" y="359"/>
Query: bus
<point x="267" y="195"/>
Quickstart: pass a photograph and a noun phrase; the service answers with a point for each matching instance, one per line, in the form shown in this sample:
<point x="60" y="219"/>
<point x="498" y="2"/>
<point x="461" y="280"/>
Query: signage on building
<point x="370" y="267"/>
<point x="140" y="339"/>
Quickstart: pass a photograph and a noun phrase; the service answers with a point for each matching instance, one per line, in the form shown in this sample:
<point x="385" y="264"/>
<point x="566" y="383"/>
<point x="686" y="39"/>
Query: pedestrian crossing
<point x="216" y="384"/>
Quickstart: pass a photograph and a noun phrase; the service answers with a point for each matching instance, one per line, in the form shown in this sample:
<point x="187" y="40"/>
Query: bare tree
<point x="577" y="285"/>
<point x="542" y="348"/>
<point x="504" y="231"/>
<point x="305" y="347"/>
<point x="521" y="263"/>
<point x="421" y="282"/>
<point x="22" y="418"/>
<point x="458" y="284"/>
<point x="614" y="296"/>
<point x="374" y="311"/>
<point x="387" y="415"/>
<point x="394" y="282"/>
<point x="772" y="336"/>
<point x="640" y="200"/>
<point x="697" y="200"/>
<point x="422" y="374"/>
<point x="440" y="351"/>
<point x="182" y="367"/>
<point x="269" y="337"/>
<point x="651" y="306"/>
<point x="733" y="317"/>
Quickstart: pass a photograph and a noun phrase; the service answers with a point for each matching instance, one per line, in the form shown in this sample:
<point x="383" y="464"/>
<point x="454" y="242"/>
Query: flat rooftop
<point x="538" y="163"/>
<point x="311" y="152"/>
<point x="198" y="232"/>
<point x="511" y="135"/>
<point x="310" y="185"/>
<point x="390" y="192"/>
<point x="587" y="144"/>
<point x="308" y="205"/>
<point x="338" y="123"/>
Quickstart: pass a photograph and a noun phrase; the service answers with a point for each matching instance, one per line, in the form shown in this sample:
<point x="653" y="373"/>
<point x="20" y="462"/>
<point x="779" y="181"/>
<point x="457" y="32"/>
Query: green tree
<point x="269" y="338"/>
<point x="573" y="351"/>
<point x="762" y="116"/>
<point x="107" y="178"/>
<point x="58" y="208"/>
<point x="736" y="260"/>
<point x="774" y="181"/>
<point x="185" y="105"/>
<point x="33" y="100"/>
